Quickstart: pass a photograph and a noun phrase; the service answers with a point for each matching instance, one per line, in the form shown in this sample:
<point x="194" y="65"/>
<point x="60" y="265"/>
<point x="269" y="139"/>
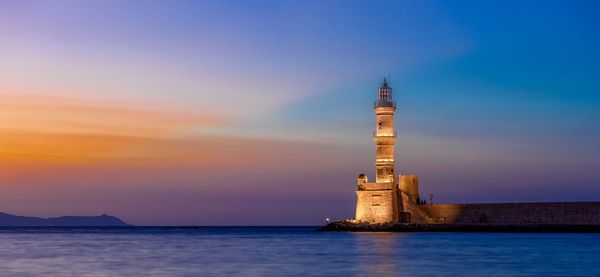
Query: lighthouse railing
<point x="384" y="103"/>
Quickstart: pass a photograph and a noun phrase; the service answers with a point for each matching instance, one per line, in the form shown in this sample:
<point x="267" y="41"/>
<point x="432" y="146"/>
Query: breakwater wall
<point x="507" y="213"/>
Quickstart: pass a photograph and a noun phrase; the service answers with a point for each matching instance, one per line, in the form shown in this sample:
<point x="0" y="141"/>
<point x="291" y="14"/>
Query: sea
<point x="290" y="251"/>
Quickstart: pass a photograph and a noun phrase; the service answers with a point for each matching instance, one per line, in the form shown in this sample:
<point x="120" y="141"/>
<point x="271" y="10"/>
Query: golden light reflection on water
<point x="381" y="253"/>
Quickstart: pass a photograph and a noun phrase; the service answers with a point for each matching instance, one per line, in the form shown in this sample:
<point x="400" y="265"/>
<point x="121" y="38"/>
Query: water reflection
<point x="292" y="251"/>
<point x="380" y="254"/>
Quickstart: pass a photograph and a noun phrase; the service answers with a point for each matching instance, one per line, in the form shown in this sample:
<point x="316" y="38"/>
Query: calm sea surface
<point x="298" y="251"/>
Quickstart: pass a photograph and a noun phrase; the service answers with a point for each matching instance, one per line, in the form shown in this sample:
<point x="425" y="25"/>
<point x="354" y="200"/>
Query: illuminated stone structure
<point x="378" y="202"/>
<point x="395" y="198"/>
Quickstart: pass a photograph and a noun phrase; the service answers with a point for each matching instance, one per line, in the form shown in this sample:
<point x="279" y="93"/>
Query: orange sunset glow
<point x="44" y="129"/>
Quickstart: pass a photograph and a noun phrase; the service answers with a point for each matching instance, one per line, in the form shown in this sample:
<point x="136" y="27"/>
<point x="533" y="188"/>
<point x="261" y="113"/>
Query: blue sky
<point x="498" y="101"/>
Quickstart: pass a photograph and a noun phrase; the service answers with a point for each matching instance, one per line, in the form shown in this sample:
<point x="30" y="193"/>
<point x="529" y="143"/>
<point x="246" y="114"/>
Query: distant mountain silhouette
<point x="63" y="221"/>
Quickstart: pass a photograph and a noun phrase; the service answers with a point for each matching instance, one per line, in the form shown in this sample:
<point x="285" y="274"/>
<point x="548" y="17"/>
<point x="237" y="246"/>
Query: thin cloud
<point x="46" y="128"/>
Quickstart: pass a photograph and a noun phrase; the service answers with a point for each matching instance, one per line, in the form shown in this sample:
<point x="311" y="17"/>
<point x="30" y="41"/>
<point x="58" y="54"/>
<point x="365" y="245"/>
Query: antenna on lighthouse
<point x="389" y="78"/>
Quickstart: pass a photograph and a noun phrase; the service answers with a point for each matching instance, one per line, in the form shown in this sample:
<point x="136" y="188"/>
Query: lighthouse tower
<point x="384" y="135"/>
<point x="377" y="202"/>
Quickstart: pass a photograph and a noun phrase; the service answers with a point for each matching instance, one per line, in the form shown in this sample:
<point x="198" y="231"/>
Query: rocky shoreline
<point x="350" y="226"/>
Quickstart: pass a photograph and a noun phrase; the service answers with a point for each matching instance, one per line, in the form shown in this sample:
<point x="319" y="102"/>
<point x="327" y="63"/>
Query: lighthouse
<point x="377" y="202"/>
<point x="384" y="135"/>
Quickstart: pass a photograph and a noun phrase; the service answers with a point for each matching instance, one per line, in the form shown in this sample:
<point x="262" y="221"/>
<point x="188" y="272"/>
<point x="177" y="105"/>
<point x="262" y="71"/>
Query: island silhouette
<point x="9" y="220"/>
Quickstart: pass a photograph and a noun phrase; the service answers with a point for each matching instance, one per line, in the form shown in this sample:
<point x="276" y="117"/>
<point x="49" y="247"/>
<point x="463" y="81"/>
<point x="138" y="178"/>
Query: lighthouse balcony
<point x="385" y="103"/>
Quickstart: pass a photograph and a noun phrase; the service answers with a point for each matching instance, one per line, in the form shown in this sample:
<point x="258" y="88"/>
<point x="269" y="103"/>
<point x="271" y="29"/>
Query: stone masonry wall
<point x="375" y="206"/>
<point x="508" y="213"/>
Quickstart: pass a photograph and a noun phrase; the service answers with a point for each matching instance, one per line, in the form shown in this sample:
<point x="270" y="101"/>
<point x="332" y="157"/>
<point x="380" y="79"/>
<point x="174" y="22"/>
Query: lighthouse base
<point x="376" y="203"/>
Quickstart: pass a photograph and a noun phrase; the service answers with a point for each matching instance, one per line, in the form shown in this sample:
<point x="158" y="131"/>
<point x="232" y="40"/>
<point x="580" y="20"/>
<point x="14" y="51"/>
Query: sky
<point x="260" y="112"/>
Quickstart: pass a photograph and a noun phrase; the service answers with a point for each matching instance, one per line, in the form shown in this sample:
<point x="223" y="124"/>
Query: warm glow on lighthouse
<point x="377" y="202"/>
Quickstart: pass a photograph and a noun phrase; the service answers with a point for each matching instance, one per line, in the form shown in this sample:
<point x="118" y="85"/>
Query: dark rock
<point x="350" y="226"/>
